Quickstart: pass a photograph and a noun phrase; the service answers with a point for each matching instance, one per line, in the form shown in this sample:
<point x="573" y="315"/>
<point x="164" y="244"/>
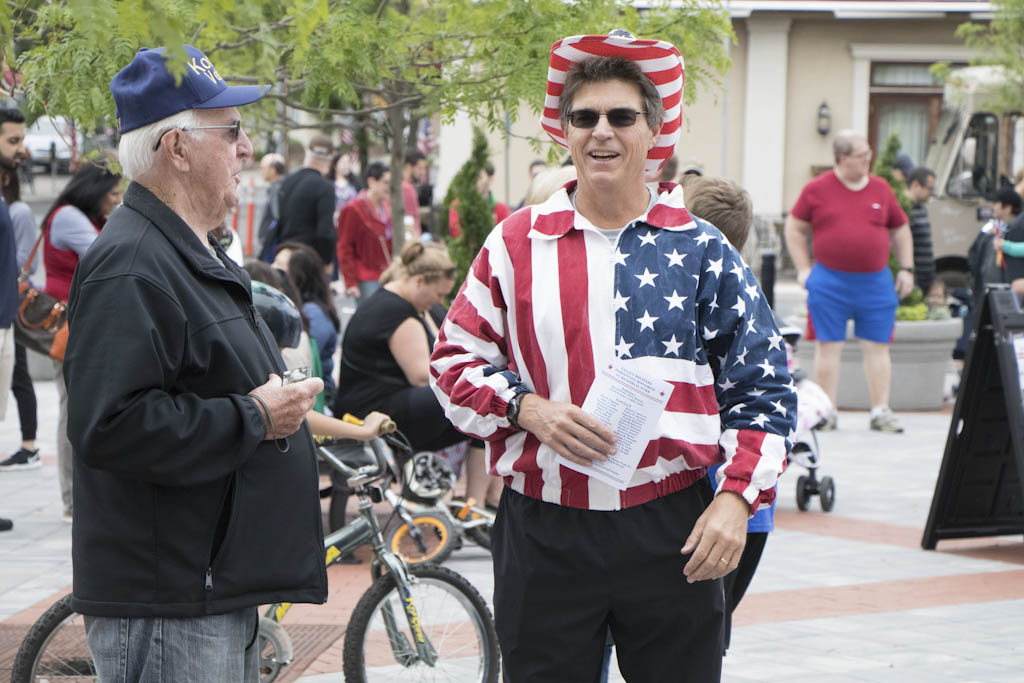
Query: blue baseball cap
<point x="145" y="92"/>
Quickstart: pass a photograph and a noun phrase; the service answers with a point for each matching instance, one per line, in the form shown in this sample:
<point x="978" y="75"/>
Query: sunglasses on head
<point x="235" y="132"/>
<point x="617" y="118"/>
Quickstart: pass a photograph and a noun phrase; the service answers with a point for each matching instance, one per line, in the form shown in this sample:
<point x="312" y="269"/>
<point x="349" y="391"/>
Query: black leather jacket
<point x="181" y="507"/>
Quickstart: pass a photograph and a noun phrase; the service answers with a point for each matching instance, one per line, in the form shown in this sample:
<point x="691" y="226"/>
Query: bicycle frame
<point x="365" y="530"/>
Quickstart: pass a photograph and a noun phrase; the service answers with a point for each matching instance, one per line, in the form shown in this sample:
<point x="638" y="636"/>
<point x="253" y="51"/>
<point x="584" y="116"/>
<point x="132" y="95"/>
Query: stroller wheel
<point x="802" y="492"/>
<point x="828" y="493"/>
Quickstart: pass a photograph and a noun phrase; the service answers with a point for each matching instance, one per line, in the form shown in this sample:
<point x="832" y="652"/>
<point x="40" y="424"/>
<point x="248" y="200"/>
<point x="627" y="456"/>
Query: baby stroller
<point x="813" y="405"/>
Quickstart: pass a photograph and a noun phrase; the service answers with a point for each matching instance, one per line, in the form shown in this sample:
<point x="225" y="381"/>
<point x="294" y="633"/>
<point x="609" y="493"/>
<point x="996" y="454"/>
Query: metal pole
<point x="768" y="277"/>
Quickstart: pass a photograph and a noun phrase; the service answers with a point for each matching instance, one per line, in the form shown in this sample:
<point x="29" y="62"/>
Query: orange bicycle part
<point x="435" y="538"/>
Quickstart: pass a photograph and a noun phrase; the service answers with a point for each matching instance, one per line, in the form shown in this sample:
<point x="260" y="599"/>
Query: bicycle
<point x="419" y="530"/>
<point x="414" y="623"/>
<point x="431" y="528"/>
<point x="438" y="527"/>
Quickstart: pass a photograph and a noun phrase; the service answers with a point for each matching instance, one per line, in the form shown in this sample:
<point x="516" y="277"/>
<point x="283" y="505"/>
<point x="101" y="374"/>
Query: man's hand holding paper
<point x="566" y="429"/>
<point x="629" y="404"/>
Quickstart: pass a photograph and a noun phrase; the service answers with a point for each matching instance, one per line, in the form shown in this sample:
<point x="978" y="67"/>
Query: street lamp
<point x="824" y="119"/>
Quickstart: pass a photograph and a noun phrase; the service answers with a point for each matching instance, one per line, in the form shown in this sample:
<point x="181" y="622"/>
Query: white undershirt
<point x="613" y="234"/>
<point x="855" y="187"/>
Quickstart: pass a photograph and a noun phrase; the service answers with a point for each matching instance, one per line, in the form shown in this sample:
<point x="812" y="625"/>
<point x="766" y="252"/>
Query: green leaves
<point x="476" y="213"/>
<point x="1001" y="42"/>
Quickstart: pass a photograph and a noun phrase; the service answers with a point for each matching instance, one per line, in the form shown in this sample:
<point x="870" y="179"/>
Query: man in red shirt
<point x="852" y="217"/>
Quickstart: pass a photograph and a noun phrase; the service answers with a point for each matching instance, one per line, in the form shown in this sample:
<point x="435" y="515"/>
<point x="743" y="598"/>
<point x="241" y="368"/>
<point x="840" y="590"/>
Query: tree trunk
<point x="396" y="122"/>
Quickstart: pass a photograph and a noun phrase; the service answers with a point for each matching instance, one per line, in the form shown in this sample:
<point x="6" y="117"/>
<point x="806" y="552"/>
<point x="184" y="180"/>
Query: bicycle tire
<point x="468" y="625"/>
<point x="55" y="647"/>
<point x="481" y="535"/>
<point x="439" y="538"/>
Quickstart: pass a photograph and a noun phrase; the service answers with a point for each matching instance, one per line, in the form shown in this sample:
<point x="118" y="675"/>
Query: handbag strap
<point x="35" y="248"/>
<point x="32" y="257"/>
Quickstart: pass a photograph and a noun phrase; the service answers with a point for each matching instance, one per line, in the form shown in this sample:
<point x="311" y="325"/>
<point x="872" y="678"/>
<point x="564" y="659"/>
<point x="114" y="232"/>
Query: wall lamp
<point x="824" y="119"/>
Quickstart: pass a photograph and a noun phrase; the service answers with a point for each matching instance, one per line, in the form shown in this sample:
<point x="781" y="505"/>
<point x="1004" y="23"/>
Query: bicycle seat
<point x="353" y="453"/>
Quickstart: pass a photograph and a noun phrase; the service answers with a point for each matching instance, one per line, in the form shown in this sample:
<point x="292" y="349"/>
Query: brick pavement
<point x="844" y="596"/>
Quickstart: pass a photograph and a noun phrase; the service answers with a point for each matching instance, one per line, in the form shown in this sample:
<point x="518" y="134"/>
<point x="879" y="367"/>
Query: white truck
<point x="976" y="150"/>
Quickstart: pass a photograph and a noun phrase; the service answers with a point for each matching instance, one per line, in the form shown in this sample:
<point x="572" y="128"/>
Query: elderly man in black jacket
<point x="195" y="476"/>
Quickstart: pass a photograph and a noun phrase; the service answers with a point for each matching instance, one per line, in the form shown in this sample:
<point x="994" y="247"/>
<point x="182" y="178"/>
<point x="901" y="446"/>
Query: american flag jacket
<point x="548" y="298"/>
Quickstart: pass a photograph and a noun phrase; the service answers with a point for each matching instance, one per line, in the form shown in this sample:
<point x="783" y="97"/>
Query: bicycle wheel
<point x="454" y="617"/>
<point x="481" y="535"/>
<point x="55" y="648"/>
<point x="431" y="539"/>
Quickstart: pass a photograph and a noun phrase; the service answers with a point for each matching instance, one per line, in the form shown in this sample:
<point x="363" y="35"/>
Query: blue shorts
<point x="834" y="296"/>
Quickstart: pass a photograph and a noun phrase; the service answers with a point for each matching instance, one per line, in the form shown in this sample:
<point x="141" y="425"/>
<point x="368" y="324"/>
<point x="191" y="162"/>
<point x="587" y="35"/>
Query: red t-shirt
<point x="851" y="227"/>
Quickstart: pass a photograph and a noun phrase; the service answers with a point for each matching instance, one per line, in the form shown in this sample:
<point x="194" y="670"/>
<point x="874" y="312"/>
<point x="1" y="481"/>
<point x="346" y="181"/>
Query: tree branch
<point x="251" y="35"/>
<point x="409" y="101"/>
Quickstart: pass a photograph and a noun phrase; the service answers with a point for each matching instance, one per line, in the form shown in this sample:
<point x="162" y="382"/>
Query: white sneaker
<point x="885" y="421"/>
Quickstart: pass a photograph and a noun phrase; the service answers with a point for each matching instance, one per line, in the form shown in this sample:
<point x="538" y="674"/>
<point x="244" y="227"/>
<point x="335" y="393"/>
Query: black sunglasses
<point x="235" y="132"/>
<point x="617" y="118"/>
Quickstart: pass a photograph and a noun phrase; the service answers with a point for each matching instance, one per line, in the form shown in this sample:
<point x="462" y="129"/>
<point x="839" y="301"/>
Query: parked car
<point x="53" y="139"/>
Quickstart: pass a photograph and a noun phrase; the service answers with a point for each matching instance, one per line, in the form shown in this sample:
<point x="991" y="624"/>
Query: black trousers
<point x="564" y="576"/>
<point x="24" y="394"/>
<point x="738" y="580"/>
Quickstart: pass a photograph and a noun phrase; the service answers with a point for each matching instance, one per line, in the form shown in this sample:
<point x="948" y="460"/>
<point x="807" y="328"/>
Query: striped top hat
<point x="660" y="61"/>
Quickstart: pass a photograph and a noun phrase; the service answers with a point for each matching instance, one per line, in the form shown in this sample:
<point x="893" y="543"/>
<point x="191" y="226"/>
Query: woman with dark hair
<point x="69" y="229"/>
<point x="364" y="234"/>
<point x="306" y="271"/>
<point x="346" y="183"/>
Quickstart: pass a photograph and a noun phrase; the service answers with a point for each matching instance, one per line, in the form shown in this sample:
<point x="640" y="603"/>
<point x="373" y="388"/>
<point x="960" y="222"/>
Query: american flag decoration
<point x="661" y="62"/>
<point x="548" y="301"/>
<point x="425" y="142"/>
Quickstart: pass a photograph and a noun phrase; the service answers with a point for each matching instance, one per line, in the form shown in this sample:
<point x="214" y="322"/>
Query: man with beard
<point x="12" y="151"/>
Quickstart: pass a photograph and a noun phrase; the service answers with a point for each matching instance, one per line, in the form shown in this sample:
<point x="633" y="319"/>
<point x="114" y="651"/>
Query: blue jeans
<point x="366" y="288"/>
<point x="219" y="647"/>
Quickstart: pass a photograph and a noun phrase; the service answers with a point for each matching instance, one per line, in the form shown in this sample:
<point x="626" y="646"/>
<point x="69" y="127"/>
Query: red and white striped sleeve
<point x="469" y="367"/>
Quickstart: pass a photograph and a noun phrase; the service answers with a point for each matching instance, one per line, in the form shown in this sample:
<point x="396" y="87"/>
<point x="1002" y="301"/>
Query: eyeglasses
<point x="235" y="128"/>
<point x="617" y="118"/>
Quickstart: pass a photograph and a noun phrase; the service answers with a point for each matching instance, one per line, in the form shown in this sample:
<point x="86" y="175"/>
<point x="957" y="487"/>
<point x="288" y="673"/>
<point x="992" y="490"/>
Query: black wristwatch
<point x="513" y="408"/>
<point x="909" y="270"/>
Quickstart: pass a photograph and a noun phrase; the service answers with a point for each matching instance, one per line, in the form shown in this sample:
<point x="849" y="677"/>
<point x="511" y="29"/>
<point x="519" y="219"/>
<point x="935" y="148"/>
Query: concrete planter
<point x="921" y="356"/>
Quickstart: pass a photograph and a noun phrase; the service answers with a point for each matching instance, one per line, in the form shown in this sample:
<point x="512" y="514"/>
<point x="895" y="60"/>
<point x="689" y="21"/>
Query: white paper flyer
<point x="629" y="403"/>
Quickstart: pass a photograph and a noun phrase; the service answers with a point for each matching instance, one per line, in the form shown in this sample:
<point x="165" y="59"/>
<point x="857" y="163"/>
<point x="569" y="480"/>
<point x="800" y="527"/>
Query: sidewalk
<point x="844" y="596"/>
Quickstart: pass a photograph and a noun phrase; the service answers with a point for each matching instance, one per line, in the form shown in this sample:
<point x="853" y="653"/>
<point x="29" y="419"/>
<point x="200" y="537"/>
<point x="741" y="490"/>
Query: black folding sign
<point x="979" y="491"/>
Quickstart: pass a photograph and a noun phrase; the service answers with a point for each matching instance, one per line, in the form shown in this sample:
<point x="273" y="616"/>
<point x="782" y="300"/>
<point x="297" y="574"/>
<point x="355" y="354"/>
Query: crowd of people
<point x="173" y="414"/>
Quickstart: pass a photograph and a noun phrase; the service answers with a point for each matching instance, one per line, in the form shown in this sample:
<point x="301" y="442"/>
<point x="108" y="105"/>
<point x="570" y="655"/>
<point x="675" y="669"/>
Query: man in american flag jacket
<point x="612" y="269"/>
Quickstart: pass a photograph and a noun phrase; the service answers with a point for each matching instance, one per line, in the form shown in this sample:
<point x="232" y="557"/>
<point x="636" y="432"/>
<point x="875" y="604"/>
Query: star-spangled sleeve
<point x="756" y="396"/>
<point x="469" y="367"/>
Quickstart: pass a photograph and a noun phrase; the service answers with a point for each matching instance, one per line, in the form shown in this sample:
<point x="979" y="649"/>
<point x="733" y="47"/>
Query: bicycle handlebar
<point x="362" y="475"/>
<point x="386" y="427"/>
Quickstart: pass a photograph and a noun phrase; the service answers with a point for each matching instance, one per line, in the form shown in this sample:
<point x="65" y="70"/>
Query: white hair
<point x="135" y="151"/>
<point x="548" y="182"/>
<point x="844" y="141"/>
